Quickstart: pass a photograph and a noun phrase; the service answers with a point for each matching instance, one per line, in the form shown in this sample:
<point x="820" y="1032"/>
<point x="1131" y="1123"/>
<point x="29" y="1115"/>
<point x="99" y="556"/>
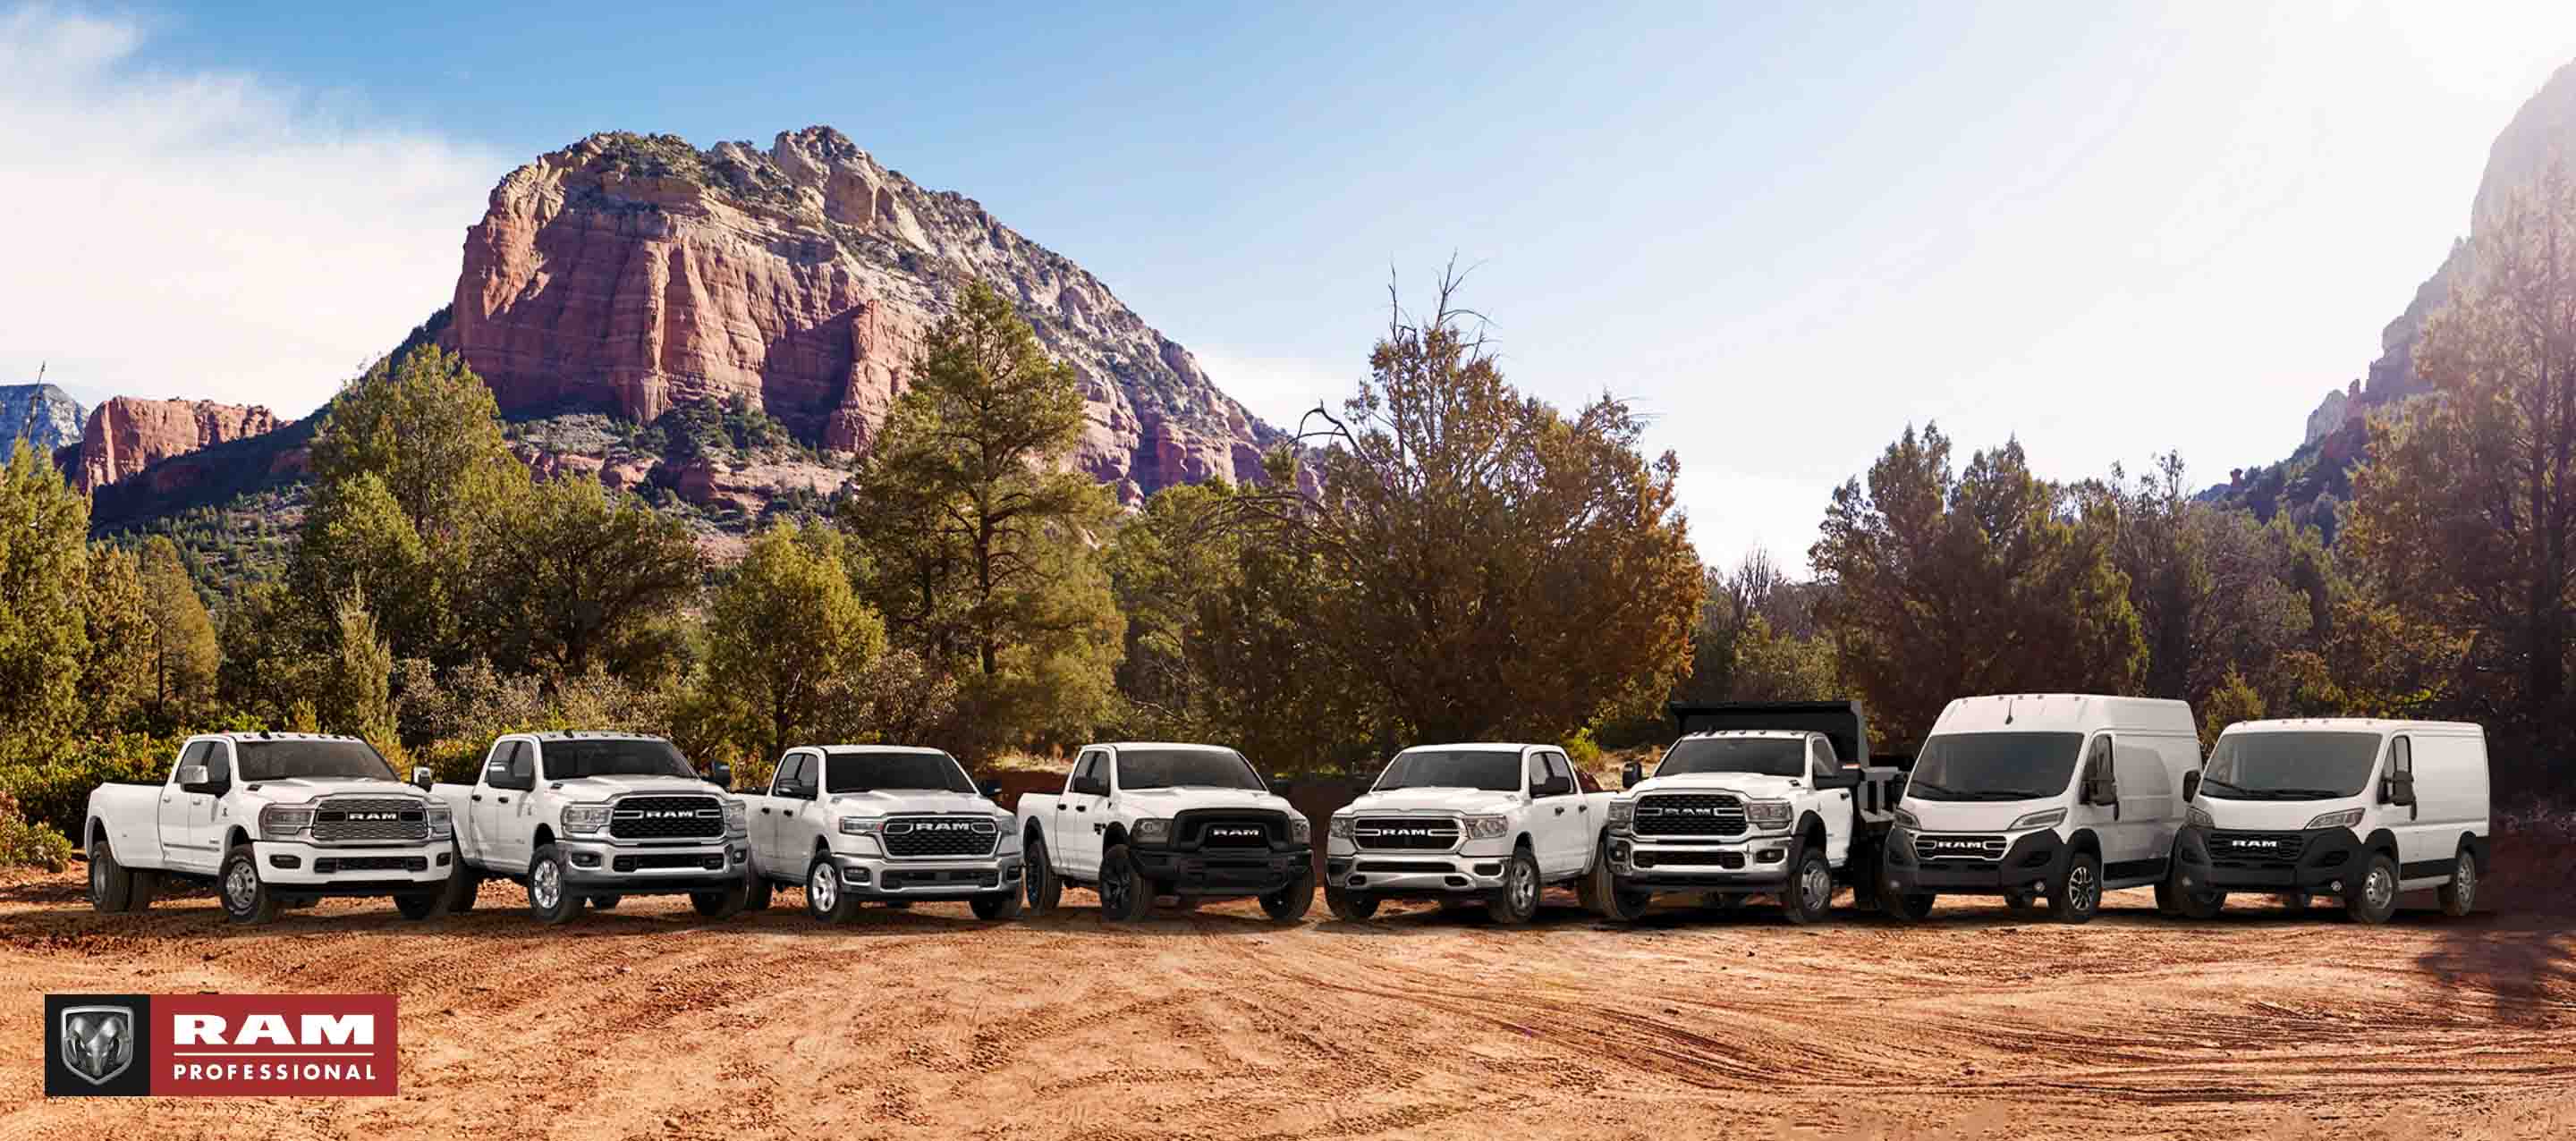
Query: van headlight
<point x="2344" y="819"/>
<point x="1488" y="827"/>
<point x="583" y="819"/>
<point x="442" y="822"/>
<point x="2048" y="819"/>
<point x="2198" y="817"/>
<point x="1151" y="830"/>
<point x="278" y="820"/>
<point x="1769" y="815"/>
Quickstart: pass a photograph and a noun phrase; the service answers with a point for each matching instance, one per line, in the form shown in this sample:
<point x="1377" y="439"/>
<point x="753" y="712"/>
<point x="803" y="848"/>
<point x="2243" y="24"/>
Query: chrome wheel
<point x="2082" y="889"/>
<point x="97" y="877"/>
<point x="823" y="887"/>
<point x="1816" y="886"/>
<point x="2380" y="888"/>
<point x="545" y="885"/>
<point x="241" y="886"/>
<point x="1524" y="887"/>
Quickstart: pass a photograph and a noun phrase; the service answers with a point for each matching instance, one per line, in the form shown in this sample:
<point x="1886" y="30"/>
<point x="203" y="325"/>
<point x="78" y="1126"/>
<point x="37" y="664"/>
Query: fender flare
<point x="237" y="837"/>
<point x="2382" y="841"/>
<point x="2477" y="847"/>
<point x="2085" y="841"/>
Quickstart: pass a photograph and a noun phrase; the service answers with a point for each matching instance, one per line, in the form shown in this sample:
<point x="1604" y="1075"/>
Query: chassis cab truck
<point x="270" y="819"/>
<point x="1775" y="798"/>
<point x="881" y="823"/>
<point x="2361" y="809"/>
<point x="596" y="817"/>
<point x="2058" y="796"/>
<point x="1142" y="819"/>
<point x="1480" y="823"/>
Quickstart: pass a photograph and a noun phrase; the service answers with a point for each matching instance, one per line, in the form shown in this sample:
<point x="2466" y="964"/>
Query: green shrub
<point x="25" y="845"/>
<point x="55" y="791"/>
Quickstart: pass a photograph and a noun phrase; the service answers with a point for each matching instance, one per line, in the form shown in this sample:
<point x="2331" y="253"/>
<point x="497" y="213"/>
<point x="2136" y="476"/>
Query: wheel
<point x="760" y="892"/>
<point x="1517" y="900"/>
<point x="1124" y="895"/>
<point x="463" y="881"/>
<point x="1289" y="904"/>
<point x="1809" y="896"/>
<point x="2374" y="899"/>
<point x="246" y="898"/>
<point x="898" y="905"/>
<point x="1044" y="890"/>
<point x="826" y="897"/>
<point x="2020" y="902"/>
<point x="551" y="898"/>
<point x="606" y="902"/>
<point x="2461" y="894"/>
<point x="2079" y="895"/>
<point x="2296" y="901"/>
<point x="1906" y="907"/>
<point x="2189" y="904"/>
<point x="722" y="903"/>
<point x="111" y="887"/>
<point x="1608" y="898"/>
<point x="1722" y="900"/>
<point x="997" y="905"/>
<point x="1186" y="902"/>
<point x="418" y="905"/>
<point x="1353" y="906"/>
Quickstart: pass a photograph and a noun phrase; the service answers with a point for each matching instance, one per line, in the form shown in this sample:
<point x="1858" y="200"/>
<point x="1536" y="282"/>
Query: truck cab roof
<point x="238" y="737"/>
<point x="581" y="735"/>
<point x="914" y="750"/>
<point x="1484" y="746"/>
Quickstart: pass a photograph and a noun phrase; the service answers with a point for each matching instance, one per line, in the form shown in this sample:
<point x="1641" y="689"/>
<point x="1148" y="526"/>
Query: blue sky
<point x="1785" y="233"/>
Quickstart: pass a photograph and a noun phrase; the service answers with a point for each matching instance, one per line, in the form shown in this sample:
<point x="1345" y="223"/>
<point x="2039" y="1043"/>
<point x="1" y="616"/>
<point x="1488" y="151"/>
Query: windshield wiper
<point x="2003" y="794"/>
<point x="2296" y="793"/>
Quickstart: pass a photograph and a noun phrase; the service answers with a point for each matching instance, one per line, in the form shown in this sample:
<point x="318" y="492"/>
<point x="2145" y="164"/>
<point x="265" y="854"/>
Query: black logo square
<point x="98" y="1045"/>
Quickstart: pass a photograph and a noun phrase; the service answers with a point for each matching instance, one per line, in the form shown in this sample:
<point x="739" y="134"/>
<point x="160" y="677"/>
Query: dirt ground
<point x="647" y="1022"/>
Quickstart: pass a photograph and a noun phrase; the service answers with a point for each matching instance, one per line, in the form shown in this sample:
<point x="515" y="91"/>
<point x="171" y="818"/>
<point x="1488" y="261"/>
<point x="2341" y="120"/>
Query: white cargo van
<point x="2357" y="808"/>
<point x="2055" y="795"/>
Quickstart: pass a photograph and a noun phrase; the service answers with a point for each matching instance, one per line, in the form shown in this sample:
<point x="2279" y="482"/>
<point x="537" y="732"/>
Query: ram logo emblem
<point x="98" y="1041"/>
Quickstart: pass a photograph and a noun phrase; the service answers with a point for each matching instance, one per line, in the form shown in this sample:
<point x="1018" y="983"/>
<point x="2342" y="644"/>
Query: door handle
<point x="1560" y="810"/>
<point x="1082" y="808"/>
<point x="764" y="812"/>
<point x="1583" y="808"/>
<point x="505" y="800"/>
<point x="1059" y="808"/>
<point x="476" y="797"/>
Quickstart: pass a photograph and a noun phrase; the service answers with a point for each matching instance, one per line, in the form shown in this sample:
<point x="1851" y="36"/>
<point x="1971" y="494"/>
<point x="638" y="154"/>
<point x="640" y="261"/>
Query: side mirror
<point x="720" y="774"/>
<point x="2191" y="786"/>
<point x="420" y="775"/>
<point x="992" y="790"/>
<point x="2399" y="791"/>
<point x="190" y="776"/>
<point x="523" y="772"/>
<point x="1631" y="774"/>
<point x="1840" y="777"/>
<point x="2101" y="790"/>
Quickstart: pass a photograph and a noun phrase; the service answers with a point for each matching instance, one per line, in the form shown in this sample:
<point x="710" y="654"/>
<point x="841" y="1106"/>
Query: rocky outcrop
<point x="41" y="414"/>
<point x="633" y="274"/>
<point x="126" y="435"/>
<point x="2339" y="406"/>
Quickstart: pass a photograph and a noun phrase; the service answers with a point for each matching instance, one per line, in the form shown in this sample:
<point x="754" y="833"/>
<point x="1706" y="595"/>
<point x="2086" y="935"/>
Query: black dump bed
<point x="1842" y="722"/>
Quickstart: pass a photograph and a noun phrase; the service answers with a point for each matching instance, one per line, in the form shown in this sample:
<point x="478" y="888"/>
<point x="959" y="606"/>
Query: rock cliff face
<point x="126" y="435"/>
<point x="41" y="414"/>
<point x="635" y="273"/>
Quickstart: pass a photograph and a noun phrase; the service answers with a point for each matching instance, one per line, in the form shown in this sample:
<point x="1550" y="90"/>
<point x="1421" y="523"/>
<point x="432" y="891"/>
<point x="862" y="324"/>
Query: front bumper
<point x="1757" y="862"/>
<point x="879" y="877"/>
<point x="2030" y="861"/>
<point x="651" y="869"/>
<point x="1397" y="872"/>
<point x="303" y="868"/>
<point x="1223" y="871"/>
<point x="2306" y="860"/>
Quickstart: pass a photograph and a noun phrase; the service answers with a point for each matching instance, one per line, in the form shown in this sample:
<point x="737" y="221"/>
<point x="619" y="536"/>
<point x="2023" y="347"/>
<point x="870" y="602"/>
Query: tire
<point x="1044" y="890"/>
<point x="1350" y="906"/>
<point x="759" y="893"/>
<point x="2200" y="906"/>
<point x="1516" y="902"/>
<point x="551" y="899"/>
<point x="1809" y="896"/>
<point x="1905" y="907"/>
<point x="1722" y="901"/>
<point x="723" y="903"/>
<point x="2460" y="895"/>
<point x="111" y="886"/>
<point x="997" y="906"/>
<point x="1186" y="902"/>
<point x="2079" y="895"/>
<point x="606" y="902"/>
<point x="2020" y="902"/>
<point x="898" y="905"/>
<point x="1125" y="897"/>
<point x="463" y="881"/>
<point x="2296" y="902"/>
<point x="1290" y="904"/>
<point x="2374" y="899"/>
<point x="246" y="897"/>
<point x="1608" y="898"/>
<point x="827" y="898"/>
<point x="420" y="905"/>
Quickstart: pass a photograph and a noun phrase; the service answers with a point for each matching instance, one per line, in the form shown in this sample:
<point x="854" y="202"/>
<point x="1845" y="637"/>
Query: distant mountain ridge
<point x="41" y="414"/>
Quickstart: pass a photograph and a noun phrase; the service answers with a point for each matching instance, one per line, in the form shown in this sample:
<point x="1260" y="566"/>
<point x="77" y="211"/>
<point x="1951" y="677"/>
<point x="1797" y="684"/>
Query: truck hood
<point x="2274" y="815"/>
<point x="914" y="800"/>
<point x="1976" y="815"/>
<point x="301" y="790"/>
<point x="1166" y="801"/>
<point x="1436" y="801"/>
<point x="607" y="786"/>
<point x="1751" y="786"/>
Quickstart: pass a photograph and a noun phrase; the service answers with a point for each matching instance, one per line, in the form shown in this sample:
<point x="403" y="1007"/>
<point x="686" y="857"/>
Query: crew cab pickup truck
<point x="597" y="817"/>
<point x="1754" y="799"/>
<point x="1483" y="822"/>
<point x="1142" y="819"/>
<point x="882" y="823"/>
<point x="270" y="819"/>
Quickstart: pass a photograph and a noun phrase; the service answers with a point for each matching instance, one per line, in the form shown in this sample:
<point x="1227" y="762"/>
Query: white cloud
<point x="209" y="234"/>
<point x="1279" y="389"/>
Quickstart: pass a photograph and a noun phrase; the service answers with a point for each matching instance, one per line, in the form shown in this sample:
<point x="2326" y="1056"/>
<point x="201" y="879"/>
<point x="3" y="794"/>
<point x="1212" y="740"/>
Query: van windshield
<point x="1768" y="756"/>
<point x="2290" y="766"/>
<point x="1994" y="766"/>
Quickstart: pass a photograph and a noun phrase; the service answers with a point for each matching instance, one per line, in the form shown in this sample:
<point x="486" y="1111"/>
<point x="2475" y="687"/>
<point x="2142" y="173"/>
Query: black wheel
<point x="1608" y="898"/>
<point x="1904" y="906"/>
<point x="417" y="905"/>
<point x="1350" y="905"/>
<point x="997" y="905"/>
<point x="2186" y="903"/>
<point x="463" y="881"/>
<point x="1517" y="900"/>
<point x="759" y="891"/>
<point x="1044" y="891"/>
<point x="551" y="898"/>
<point x="898" y="905"/>
<point x="2461" y="894"/>
<point x="1722" y="900"/>
<point x="606" y="902"/>
<point x="2296" y="902"/>
<point x="827" y="896"/>
<point x="111" y="887"/>
<point x="2373" y="899"/>
<point x="246" y="898"/>
<point x="2079" y="894"/>
<point x="1289" y="904"/>
<point x="1809" y="895"/>
<point x="2020" y="902"/>
<point x="1186" y="902"/>
<point x="1124" y="895"/>
<point x="723" y="903"/>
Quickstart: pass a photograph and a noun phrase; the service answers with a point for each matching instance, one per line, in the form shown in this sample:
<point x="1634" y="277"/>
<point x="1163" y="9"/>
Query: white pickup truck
<point x="881" y="823"/>
<point x="1142" y="819"/>
<point x="597" y="817"/>
<point x="270" y="819"/>
<point x="1472" y="822"/>
<point x="1771" y="798"/>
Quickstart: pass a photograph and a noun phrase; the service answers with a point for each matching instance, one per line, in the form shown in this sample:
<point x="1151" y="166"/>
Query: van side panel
<point x="2450" y="802"/>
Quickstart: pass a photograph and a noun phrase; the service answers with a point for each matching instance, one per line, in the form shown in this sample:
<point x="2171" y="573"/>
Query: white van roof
<point x="2357" y="725"/>
<point x="2065" y="713"/>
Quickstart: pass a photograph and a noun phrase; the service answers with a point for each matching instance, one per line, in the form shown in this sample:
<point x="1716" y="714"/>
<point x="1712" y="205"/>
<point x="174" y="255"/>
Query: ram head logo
<point x="98" y="1041"/>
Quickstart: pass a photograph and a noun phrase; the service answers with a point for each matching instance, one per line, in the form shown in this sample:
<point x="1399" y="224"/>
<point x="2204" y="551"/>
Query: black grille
<point x="1396" y="833"/>
<point x="985" y="877"/>
<point x="713" y="861"/>
<point x="1693" y="814"/>
<point x="2256" y="849"/>
<point x="353" y="820"/>
<point x="329" y="865"/>
<point x="1405" y="866"/>
<point x="1654" y="858"/>
<point x="1233" y="830"/>
<point x="919" y="836"/>
<point x="1959" y="849"/>
<point x="666" y="818"/>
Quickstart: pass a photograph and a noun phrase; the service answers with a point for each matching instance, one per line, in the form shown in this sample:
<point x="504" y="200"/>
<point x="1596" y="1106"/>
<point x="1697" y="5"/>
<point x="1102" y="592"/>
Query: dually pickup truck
<point x="597" y="817"/>
<point x="1477" y="822"/>
<point x="1772" y="799"/>
<point x="881" y="823"/>
<point x="1139" y="819"/>
<point x="270" y="819"/>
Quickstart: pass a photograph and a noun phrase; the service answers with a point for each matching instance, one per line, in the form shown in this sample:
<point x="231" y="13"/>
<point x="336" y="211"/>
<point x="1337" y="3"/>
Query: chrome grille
<point x="666" y="818"/>
<point x="1402" y="834"/>
<point x="1944" y="848"/>
<point x="368" y="820"/>
<point x="1690" y="814"/>
<point x="909" y="837"/>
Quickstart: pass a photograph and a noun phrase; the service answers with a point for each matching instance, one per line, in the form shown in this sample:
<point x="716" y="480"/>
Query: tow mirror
<point x="992" y="790"/>
<point x="190" y="776"/>
<point x="421" y="776"/>
<point x="523" y="772"/>
<point x="2191" y="786"/>
<point x="720" y="774"/>
<point x="1631" y="774"/>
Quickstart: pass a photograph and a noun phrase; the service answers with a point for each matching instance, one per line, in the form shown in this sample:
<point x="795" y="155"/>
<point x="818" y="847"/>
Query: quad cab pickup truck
<point x="882" y="823"/>
<point x="1774" y="798"/>
<point x="1142" y="819"/>
<point x="598" y="817"/>
<point x="270" y="819"/>
<point x="1489" y="823"/>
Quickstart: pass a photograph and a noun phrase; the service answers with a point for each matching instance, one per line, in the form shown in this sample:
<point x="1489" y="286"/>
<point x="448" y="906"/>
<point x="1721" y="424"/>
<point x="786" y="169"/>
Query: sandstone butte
<point x="126" y="434"/>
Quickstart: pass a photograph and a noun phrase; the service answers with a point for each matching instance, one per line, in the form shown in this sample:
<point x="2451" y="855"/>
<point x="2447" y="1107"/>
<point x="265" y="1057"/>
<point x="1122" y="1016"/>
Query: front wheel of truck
<point x="1808" y="897"/>
<point x="827" y="897"/>
<point x="420" y="905"/>
<point x="606" y="902"/>
<point x="1289" y="904"/>
<point x="723" y="903"/>
<point x="463" y="881"/>
<point x="111" y="886"/>
<point x="551" y="899"/>
<point x="1608" y="898"/>
<point x="997" y="906"/>
<point x="246" y="898"/>
<point x="1353" y="906"/>
<point x="759" y="892"/>
<point x="1517" y="900"/>
<point x="1044" y="891"/>
<point x="1124" y="896"/>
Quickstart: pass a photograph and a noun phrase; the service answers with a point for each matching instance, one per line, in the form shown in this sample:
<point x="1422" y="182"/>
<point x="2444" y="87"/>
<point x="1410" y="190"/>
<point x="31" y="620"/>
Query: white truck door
<point x="482" y="810"/>
<point x="510" y="838"/>
<point x="1082" y="812"/>
<point x="1566" y="818"/>
<point x="800" y="816"/>
<point x="207" y="821"/>
<point x="1834" y="804"/>
<point x="178" y="843"/>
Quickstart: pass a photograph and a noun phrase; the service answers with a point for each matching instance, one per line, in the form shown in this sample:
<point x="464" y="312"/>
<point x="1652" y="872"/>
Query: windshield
<point x="1492" y="770"/>
<point x="568" y="760"/>
<point x="2290" y="766"/>
<point x="858" y="771"/>
<point x="1186" y="768"/>
<point x="1769" y="756"/>
<point x="289" y="760"/>
<point x="1994" y="766"/>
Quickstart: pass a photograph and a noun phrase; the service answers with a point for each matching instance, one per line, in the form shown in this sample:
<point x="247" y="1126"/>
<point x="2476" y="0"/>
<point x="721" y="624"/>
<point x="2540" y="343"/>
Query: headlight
<point x="1151" y="830"/>
<point x="2046" y="819"/>
<point x="442" y="822"/>
<point x="861" y="825"/>
<point x="1907" y="819"/>
<point x="2344" y="819"/>
<point x="584" y="817"/>
<point x="736" y="822"/>
<point x="1339" y="827"/>
<point x="2198" y="817"/>
<point x="285" y="820"/>
<point x="1622" y="813"/>
<point x="1300" y="830"/>
<point x="1488" y="827"/>
<point x="1767" y="813"/>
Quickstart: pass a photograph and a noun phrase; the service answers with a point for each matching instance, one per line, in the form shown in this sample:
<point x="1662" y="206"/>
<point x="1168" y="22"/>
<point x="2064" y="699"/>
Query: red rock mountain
<point x="126" y="435"/>
<point x="633" y="274"/>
